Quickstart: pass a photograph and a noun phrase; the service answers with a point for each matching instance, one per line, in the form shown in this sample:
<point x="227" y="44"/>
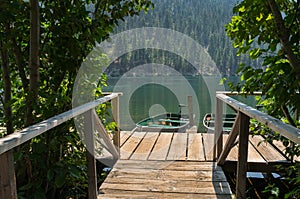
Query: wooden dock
<point x="177" y="165"/>
<point x="164" y="165"/>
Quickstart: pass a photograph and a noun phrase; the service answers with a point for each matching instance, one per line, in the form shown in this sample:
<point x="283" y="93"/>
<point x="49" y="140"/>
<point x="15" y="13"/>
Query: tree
<point x="43" y="44"/>
<point x="270" y="30"/>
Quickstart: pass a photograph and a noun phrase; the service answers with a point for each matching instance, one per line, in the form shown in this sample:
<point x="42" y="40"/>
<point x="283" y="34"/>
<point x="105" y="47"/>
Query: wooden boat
<point x="167" y="122"/>
<point x="209" y="122"/>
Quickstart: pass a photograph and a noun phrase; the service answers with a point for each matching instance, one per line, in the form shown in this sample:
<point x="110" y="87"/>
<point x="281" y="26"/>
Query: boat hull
<point x="167" y="122"/>
<point x="209" y="121"/>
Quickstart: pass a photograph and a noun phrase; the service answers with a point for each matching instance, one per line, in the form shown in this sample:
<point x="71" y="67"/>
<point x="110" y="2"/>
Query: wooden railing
<point x="241" y="129"/>
<point x="92" y="124"/>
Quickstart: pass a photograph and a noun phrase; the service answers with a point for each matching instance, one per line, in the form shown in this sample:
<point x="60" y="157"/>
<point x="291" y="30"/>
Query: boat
<point x="165" y="122"/>
<point x="209" y="122"/>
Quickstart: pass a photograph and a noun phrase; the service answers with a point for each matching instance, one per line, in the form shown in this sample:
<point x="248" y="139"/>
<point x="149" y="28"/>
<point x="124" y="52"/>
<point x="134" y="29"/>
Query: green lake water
<point x="149" y="96"/>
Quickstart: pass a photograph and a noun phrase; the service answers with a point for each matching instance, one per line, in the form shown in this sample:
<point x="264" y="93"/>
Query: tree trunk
<point x="7" y="172"/>
<point x="7" y="90"/>
<point x="284" y="36"/>
<point x="34" y="63"/>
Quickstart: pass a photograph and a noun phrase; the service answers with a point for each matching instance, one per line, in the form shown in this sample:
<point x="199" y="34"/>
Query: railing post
<point x="90" y="152"/>
<point x="218" y="134"/>
<point x="242" y="156"/>
<point x="116" y="115"/>
<point x="8" y="188"/>
<point x="190" y="107"/>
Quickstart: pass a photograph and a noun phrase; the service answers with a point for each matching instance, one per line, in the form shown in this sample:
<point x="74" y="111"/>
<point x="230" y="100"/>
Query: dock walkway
<point x="164" y="165"/>
<point x="176" y="165"/>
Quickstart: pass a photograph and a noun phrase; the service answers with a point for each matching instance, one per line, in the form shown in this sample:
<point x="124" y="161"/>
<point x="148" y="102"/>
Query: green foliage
<point x="53" y="165"/>
<point x="256" y="23"/>
<point x="272" y="191"/>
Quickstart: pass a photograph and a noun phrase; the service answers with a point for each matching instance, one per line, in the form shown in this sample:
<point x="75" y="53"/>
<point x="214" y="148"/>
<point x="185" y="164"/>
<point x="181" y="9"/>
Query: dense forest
<point x="201" y="20"/>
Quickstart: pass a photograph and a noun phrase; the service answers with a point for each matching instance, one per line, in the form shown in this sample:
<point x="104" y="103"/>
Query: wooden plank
<point x="8" y="187"/>
<point x="241" y="181"/>
<point x="115" y="106"/>
<point x="253" y="156"/>
<point x="177" y="177"/>
<point x="144" y="148"/>
<point x="124" y="136"/>
<point x="269" y="153"/>
<point x="208" y="146"/>
<point x="195" y="147"/>
<point x="277" y="125"/>
<point x="142" y="194"/>
<point x="161" y="147"/>
<point x="126" y="174"/>
<point x="90" y="154"/>
<point x="168" y="165"/>
<point x="170" y="186"/>
<point x="15" y="139"/>
<point x="279" y="145"/>
<point x="218" y="133"/>
<point x="128" y="148"/>
<point x="178" y="147"/>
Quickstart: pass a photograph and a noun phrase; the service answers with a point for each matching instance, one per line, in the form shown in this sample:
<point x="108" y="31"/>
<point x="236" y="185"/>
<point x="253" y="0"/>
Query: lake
<point x="148" y="96"/>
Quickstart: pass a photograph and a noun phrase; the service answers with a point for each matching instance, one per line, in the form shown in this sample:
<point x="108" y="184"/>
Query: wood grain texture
<point x="277" y="125"/>
<point x="178" y="147"/>
<point x="157" y="195"/>
<point x="195" y="147"/>
<point x="175" y="180"/>
<point x="161" y="148"/>
<point x="131" y="144"/>
<point x="267" y="151"/>
<point x="18" y="138"/>
<point x="143" y="150"/>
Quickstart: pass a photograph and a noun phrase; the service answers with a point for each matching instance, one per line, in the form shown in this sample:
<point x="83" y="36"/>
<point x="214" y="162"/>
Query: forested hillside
<point x="202" y="20"/>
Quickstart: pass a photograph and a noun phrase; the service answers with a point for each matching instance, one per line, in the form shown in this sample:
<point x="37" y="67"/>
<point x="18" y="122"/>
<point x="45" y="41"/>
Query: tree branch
<point x="288" y="115"/>
<point x="284" y="36"/>
<point x="18" y="57"/>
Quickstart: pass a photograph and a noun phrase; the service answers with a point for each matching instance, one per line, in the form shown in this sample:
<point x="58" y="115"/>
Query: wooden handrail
<point x="13" y="140"/>
<point x="241" y="128"/>
<point x="286" y="130"/>
<point x="9" y="142"/>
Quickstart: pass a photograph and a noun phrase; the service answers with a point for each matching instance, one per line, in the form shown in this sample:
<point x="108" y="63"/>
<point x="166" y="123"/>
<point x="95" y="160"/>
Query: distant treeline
<point x="202" y="20"/>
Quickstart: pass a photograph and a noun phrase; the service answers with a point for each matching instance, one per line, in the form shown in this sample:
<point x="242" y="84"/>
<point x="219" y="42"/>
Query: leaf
<point x="260" y="17"/>
<point x="60" y="180"/>
<point x="242" y="9"/>
<point x="50" y="175"/>
<point x="255" y="53"/>
<point x="74" y="171"/>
